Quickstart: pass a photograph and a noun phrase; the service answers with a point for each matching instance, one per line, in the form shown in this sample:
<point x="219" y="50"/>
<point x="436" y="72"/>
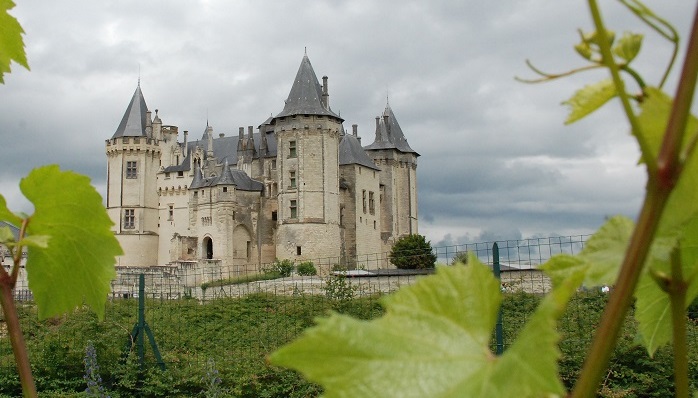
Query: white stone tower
<point x="398" y="190"/>
<point x="307" y="135"/>
<point x="133" y="161"/>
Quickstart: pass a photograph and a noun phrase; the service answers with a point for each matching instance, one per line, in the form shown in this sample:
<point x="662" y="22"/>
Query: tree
<point x="412" y="252"/>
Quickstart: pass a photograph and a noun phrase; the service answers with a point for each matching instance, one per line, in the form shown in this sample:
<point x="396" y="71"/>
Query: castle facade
<point x="297" y="187"/>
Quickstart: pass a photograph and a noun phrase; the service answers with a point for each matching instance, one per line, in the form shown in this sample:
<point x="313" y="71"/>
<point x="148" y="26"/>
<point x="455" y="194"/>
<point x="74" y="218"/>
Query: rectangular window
<point x="273" y="164"/>
<point x="180" y="174"/>
<point x="293" y="179"/>
<point x="131" y="169"/>
<point x="298" y="250"/>
<point x="129" y="219"/>
<point x="274" y="216"/>
<point x="249" y="250"/>
<point x="364" y="200"/>
<point x="371" y="203"/>
<point x="170" y="212"/>
<point x="225" y="189"/>
<point x="292" y="149"/>
<point x="167" y="175"/>
<point x="294" y="209"/>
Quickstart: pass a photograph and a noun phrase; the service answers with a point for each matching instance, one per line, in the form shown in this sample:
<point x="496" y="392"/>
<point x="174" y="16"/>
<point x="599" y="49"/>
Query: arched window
<point x="208" y="248"/>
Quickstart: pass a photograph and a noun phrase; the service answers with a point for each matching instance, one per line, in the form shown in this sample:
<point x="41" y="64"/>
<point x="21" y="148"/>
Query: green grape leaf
<point x="11" y="43"/>
<point x="78" y="264"/>
<point x="433" y="341"/>
<point x="628" y="46"/>
<point x="584" y="49"/>
<point x="683" y="202"/>
<point x="601" y="257"/>
<point x="589" y="99"/>
<point x="653" y="305"/>
<point x="40" y="241"/>
<point x="6" y="235"/>
<point x="6" y="215"/>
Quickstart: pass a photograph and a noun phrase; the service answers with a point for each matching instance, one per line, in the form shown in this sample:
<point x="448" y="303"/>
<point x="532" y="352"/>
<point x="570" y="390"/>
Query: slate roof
<point x="224" y="149"/>
<point x="229" y="176"/>
<point x="351" y="152"/>
<point x="134" y="120"/>
<point x="390" y="135"/>
<point x="305" y="97"/>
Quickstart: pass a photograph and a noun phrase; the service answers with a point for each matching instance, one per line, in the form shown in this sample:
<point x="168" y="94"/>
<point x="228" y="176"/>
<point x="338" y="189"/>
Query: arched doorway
<point x="208" y="248"/>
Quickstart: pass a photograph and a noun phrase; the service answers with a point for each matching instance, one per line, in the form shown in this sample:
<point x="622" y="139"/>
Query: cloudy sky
<point x="496" y="161"/>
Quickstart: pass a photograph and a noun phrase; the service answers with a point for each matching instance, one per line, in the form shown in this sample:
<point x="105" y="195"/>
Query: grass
<point x="238" y="280"/>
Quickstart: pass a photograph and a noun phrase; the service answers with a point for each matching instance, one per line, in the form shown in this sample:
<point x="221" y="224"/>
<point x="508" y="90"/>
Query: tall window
<point x="129" y="219"/>
<point x="292" y="149"/>
<point x="293" y="179"/>
<point x="364" y="200"/>
<point x="170" y="212"/>
<point x="131" y="169"/>
<point x="294" y="209"/>
<point x="371" y="203"/>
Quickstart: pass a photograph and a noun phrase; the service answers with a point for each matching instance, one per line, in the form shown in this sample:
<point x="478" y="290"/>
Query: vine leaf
<point x="78" y="264"/>
<point x="11" y="44"/>
<point x="590" y="98"/>
<point x="433" y="341"/>
<point x="628" y="46"/>
<point x="683" y="202"/>
<point x="601" y="257"/>
<point x="653" y="306"/>
<point x="7" y="215"/>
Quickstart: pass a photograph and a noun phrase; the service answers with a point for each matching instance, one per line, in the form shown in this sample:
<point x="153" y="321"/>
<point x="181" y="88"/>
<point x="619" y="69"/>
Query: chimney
<point x="250" y="130"/>
<point x="186" y="134"/>
<point x="325" y="93"/>
<point x="386" y="119"/>
<point x="355" y="129"/>
<point x="241" y="133"/>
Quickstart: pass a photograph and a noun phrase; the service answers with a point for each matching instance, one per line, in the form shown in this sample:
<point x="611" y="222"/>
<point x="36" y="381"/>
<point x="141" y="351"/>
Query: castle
<point x="299" y="187"/>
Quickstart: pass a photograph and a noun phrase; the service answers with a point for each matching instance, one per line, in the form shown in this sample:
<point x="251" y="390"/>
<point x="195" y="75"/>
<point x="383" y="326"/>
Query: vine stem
<point x="662" y="178"/>
<point x="677" y="293"/>
<point x="14" y="331"/>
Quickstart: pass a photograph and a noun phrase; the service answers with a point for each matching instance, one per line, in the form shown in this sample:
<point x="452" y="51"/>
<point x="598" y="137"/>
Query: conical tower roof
<point x="305" y="97"/>
<point x="389" y="134"/>
<point x="134" y="121"/>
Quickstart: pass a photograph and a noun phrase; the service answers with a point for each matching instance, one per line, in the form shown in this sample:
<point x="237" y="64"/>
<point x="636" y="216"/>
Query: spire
<point x="305" y="97"/>
<point x="133" y="123"/>
<point x="226" y="177"/>
<point x="389" y="135"/>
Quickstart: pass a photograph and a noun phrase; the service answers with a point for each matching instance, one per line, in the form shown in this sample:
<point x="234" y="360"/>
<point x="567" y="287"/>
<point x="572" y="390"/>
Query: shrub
<point x="460" y="257"/>
<point x="281" y="267"/>
<point x="412" y="252"/>
<point x="306" y="268"/>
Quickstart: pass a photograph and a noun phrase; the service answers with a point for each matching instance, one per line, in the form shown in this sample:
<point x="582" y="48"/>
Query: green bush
<point x="412" y="252"/>
<point x="306" y="268"/>
<point x="460" y="257"/>
<point x="281" y="267"/>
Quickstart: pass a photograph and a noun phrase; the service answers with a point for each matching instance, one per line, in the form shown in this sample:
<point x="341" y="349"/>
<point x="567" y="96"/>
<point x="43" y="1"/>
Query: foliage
<point x="457" y="309"/>
<point x="283" y="268"/>
<point x="412" y="252"/>
<point x="306" y="268"/>
<point x="11" y="43"/>
<point x="460" y="257"/>
<point x="241" y="279"/>
<point x="71" y="252"/>
<point x="213" y="381"/>
<point x="339" y="290"/>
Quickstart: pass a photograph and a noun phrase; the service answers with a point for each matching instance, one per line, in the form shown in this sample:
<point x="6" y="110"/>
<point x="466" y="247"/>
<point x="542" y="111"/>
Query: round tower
<point x="133" y="161"/>
<point x="307" y="135"/>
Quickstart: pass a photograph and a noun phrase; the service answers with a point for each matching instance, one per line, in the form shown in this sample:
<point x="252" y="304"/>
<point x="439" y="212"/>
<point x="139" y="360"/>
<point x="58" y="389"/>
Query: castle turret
<point x="133" y="161"/>
<point x="398" y="191"/>
<point x="307" y="135"/>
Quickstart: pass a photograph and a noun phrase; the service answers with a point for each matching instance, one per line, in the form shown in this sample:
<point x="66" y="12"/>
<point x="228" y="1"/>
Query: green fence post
<point x="498" y="332"/>
<point x="140" y="329"/>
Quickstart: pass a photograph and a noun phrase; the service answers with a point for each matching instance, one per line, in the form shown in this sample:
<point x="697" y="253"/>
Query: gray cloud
<point x="496" y="162"/>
